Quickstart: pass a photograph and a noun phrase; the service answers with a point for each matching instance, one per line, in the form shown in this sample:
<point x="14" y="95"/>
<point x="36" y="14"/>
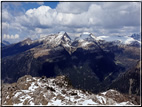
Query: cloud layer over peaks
<point x="100" y="18"/>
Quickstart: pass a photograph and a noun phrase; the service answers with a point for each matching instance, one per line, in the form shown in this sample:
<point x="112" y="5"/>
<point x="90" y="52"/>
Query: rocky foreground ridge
<point x="30" y="90"/>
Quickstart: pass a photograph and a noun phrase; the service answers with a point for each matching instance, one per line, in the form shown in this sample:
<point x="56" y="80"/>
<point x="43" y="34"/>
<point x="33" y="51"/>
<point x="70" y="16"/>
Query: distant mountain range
<point x="133" y="40"/>
<point x="90" y="63"/>
<point x="5" y="43"/>
<point x="136" y="36"/>
<point x="86" y="65"/>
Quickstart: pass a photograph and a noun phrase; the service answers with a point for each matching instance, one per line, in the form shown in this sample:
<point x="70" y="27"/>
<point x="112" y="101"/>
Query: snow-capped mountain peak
<point x="27" y="41"/>
<point x="61" y="33"/>
<point x="85" y="39"/>
<point x="136" y="36"/>
<point x="56" y="39"/>
<point x="127" y="40"/>
<point x="62" y="38"/>
<point x="86" y="36"/>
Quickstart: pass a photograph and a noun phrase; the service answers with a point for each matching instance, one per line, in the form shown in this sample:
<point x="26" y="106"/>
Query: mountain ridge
<point x="45" y="57"/>
<point x="96" y="64"/>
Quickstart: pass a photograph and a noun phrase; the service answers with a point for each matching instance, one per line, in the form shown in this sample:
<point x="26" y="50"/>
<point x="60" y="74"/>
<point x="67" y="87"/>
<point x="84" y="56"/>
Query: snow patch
<point x="129" y="40"/>
<point x="84" y="44"/>
<point x="33" y="87"/>
<point x="89" y="102"/>
<point x="122" y="39"/>
<point x="101" y="99"/>
<point x="17" y="94"/>
<point x="104" y="93"/>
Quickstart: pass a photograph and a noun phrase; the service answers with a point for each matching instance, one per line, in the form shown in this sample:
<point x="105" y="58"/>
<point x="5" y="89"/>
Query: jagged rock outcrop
<point x="56" y="91"/>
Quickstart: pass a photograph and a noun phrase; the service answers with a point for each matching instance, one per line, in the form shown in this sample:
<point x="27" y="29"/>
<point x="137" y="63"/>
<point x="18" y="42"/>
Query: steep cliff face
<point x="30" y="90"/>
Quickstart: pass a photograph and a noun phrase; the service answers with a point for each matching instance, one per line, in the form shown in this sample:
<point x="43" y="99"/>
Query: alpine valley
<point x="91" y="64"/>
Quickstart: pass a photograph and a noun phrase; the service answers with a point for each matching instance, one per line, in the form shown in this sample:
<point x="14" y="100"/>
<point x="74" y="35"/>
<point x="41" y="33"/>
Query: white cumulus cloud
<point x="7" y="36"/>
<point x="100" y="18"/>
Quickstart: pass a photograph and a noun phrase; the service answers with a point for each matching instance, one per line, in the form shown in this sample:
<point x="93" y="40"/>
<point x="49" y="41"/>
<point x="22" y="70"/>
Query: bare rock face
<point x="56" y="91"/>
<point x="24" y="82"/>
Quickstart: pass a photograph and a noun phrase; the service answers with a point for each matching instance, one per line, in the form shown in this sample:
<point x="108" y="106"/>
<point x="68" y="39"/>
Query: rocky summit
<point x="30" y="90"/>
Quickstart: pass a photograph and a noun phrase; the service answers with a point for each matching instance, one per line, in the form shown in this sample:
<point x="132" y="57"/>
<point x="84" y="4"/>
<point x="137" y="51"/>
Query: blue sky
<point x="24" y="6"/>
<point x="31" y="5"/>
<point x="37" y="19"/>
